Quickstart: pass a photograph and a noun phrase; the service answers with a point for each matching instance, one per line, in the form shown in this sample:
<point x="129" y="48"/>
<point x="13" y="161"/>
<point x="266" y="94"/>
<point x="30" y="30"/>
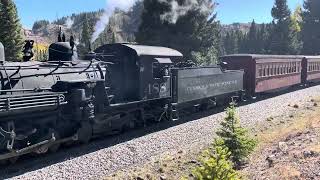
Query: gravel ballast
<point x="105" y="161"/>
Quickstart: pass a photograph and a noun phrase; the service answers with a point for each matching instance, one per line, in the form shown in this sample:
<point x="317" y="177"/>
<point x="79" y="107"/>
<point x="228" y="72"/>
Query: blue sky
<point x="229" y="11"/>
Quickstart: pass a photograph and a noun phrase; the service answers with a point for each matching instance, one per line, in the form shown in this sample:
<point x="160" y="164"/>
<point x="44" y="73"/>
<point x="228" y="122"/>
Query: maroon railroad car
<point x="266" y="72"/>
<point x="311" y="69"/>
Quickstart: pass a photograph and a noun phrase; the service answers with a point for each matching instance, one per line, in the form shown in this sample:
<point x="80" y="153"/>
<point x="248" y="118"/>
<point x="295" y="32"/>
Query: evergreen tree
<point x="86" y="34"/>
<point x="260" y="42"/>
<point x="85" y="41"/>
<point x="10" y="30"/>
<point x="311" y="27"/>
<point x="252" y="38"/>
<point x="215" y="164"/>
<point x="235" y="137"/>
<point x="284" y="38"/>
<point x="194" y="33"/>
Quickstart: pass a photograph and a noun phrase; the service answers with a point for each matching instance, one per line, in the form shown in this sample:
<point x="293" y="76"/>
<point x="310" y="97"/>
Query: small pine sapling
<point x="215" y="164"/>
<point x="235" y="137"/>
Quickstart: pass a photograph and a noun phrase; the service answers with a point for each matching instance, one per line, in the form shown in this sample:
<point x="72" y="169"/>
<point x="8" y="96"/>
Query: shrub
<point x="235" y="137"/>
<point x="215" y="164"/>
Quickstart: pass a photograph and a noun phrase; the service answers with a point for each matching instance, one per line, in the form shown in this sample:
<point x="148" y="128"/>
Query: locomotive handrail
<point x="43" y="74"/>
<point x="26" y="90"/>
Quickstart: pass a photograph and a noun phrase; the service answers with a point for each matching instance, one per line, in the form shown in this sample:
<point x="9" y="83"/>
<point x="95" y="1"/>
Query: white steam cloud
<point x="178" y="10"/>
<point x="69" y="22"/>
<point x="111" y="6"/>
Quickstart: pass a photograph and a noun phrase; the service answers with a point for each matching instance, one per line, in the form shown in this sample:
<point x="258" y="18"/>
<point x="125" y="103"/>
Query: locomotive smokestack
<point x="59" y="35"/>
<point x="2" y="57"/>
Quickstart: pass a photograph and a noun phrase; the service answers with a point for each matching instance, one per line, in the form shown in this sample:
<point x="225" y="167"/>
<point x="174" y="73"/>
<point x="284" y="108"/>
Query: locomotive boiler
<point x="43" y="104"/>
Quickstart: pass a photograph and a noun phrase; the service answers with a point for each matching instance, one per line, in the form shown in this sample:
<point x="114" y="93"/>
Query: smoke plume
<point x="69" y="22"/>
<point x="177" y="10"/>
<point x="111" y="6"/>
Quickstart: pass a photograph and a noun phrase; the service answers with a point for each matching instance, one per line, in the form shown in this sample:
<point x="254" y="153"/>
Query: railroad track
<point x="109" y="154"/>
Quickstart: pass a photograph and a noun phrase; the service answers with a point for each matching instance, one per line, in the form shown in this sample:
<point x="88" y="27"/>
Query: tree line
<point x="295" y="32"/>
<point x="190" y="27"/>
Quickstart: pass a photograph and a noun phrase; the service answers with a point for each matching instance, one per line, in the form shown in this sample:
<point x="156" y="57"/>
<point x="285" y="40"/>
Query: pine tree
<point x="215" y="164"/>
<point x="235" y="137"/>
<point x="194" y="33"/>
<point x="85" y="41"/>
<point x="252" y="38"/>
<point x="86" y="34"/>
<point x="311" y="27"/>
<point x="10" y="30"/>
<point x="284" y="38"/>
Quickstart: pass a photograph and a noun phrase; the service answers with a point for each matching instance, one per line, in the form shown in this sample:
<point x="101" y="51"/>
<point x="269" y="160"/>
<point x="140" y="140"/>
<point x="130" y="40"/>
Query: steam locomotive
<point x="119" y="87"/>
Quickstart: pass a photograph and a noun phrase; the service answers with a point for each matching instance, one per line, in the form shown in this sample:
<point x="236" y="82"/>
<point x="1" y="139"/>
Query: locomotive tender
<point x="122" y="86"/>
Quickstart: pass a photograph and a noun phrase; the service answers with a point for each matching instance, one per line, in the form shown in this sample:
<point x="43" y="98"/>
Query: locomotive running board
<point x="32" y="148"/>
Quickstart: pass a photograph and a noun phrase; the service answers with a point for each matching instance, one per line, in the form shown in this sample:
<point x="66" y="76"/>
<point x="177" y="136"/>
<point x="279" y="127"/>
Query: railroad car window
<point x="313" y="67"/>
<point x="156" y="70"/>
<point x="290" y="68"/>
<point x="259" y="72"/>
<point x="286" y="68"/>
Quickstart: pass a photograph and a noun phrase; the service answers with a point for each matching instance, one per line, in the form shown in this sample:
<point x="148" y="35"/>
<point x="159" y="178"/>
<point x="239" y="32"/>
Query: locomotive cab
<point x="138" y="73"/>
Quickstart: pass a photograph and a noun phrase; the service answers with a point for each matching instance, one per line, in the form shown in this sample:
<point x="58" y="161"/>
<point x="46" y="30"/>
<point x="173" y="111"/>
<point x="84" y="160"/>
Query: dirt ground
<point x="289" y="148"/>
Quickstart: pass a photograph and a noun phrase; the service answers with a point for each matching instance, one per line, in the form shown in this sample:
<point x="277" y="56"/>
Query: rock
<point x="139" y="178"/>
<point x="161" y="170"/>
<point x="163" y="177"/>
<point x="296" y="106"/>
<point x="149" y="176"/>
<point x="283" y="147"/>
<point x="271" y="160"/>
<point x="307" y="154"/>
<point x="269" y="118"/>
<point x="193" y="162"/>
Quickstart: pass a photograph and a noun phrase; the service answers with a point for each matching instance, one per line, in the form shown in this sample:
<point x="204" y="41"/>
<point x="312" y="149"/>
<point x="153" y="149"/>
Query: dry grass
<point x="299" y="123"/>
<point x="288" y="172"/>
<point x="179" y="164"/>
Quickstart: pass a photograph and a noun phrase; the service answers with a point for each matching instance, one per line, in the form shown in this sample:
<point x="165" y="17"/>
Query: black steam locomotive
<point x="120" y="86"/>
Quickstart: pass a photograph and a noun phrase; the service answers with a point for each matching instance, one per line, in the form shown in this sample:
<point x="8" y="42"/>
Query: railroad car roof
<point x="265" y="56"/>
<point x="261" y="58"/>
<point x="143" y="50"/>
<point x="312" y="57"/>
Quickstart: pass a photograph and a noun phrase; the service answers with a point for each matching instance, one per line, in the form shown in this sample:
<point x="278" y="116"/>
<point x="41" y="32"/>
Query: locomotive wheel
<point x="42" y="150"/>
<point x="13" y="160"/>
<point x="54" y="148"/>
<point x="85" y="133"/>
<point x="3" y="162"/>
